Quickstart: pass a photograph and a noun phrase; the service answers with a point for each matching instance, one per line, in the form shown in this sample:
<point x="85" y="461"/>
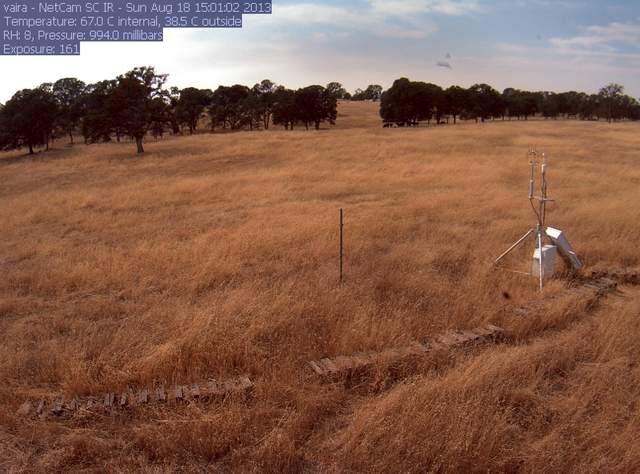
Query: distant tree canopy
<point x="140" y="96"/>
<point x="101" y="118"/>
<point x="315" y="105"/>
<point x="372" y="92"/>
<point x="68" y="94"/>
<point x="336" y="90"/>
<point x="28" y="119"/>
<point x="230" y="106"/>
<point x="131" y="105"/>
<point x="238" y="107"/>
<point x="136" y="104"/>
<point x="264" y="93"/>
<point x="285" y="109"/>
<point x="611" y="97"/>
<point x="455" y="100"/>
<point x="485" y="102"/>
<point x="519" y="104"/>
<point x="190" y="106"/>
<point x="406" y="103"/>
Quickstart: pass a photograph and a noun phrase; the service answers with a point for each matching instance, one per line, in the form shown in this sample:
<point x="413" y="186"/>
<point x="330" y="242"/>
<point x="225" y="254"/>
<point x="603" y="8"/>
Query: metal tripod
<point x="539" y="206"/>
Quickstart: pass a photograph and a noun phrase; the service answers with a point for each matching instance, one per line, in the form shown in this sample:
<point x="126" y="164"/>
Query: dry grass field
<point x="216" y="256"/>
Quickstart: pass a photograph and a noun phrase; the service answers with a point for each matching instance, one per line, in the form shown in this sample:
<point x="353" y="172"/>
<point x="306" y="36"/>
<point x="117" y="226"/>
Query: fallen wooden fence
<point x="591" y="289"/>
<point x="448" y="340"/>
<point x="106" y="403"/>
<point x="622" y="276"/>
<point x="597" y="286"/>
<point x="594" y="288"/>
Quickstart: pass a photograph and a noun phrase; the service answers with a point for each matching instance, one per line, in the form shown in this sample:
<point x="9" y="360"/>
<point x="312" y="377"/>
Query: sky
<point x="555" y="45"/>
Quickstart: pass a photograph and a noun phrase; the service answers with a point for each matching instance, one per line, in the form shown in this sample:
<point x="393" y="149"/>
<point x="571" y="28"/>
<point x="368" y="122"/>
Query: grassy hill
<point x="217" y="255"/>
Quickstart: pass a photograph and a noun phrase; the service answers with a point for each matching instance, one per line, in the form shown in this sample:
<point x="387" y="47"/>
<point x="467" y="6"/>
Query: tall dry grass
<point x="216" y="255"/>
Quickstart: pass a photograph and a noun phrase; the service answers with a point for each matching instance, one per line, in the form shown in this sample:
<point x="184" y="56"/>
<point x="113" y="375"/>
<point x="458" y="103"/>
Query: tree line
<point x="137" y="104"/>
<point x="373" y="92"/>
<point x="407" y="103"/>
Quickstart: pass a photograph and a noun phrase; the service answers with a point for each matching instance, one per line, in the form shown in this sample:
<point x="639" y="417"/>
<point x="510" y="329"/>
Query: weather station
<point x="549" y="241"/>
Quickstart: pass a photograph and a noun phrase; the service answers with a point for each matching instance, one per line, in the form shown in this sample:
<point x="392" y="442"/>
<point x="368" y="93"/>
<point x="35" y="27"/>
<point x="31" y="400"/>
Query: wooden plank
<point x="420" y="348"/>
<point x="214" y="388"/>
<point x="470" y="336"/>
<point x="143" y="396"/>
<point x="447" y="339"/>
<point x="25" y="408"/>
<point x="245" y="383"/>
<point x="238" y="384"/>
<point x="178" y="393"/>
<point x="73" y="405"/>
<point x="608" y="283"/>
<point x="436" y="345"/>
<point x="494" y="329"/>
<point x="132" y="398"/>
<point x="109" y="399"/>
<point x="343" y="362"/>
<point x="160" y="395"/>
<point x="329" y="365"/>
<point x="460" y="339"/>
<point x="228" y="387"/>
<point x="481" y="332"/>
<point x="316" y="368"/>
<point x="361" y="359"/>
<point x="58" y="406"/>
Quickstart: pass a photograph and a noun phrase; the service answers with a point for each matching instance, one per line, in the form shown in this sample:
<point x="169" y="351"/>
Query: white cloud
<point x="599" y="55"/>
<point x="407" y="33"/>
<point x="513" y="48"/>
<point x="375" y="19"/>
<point x="317" y="14"/>
<point x="543" y="69"/>
<point x="411" y="7"/>
<point x="603" y="37"/>
<point x="456" y="8"/>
